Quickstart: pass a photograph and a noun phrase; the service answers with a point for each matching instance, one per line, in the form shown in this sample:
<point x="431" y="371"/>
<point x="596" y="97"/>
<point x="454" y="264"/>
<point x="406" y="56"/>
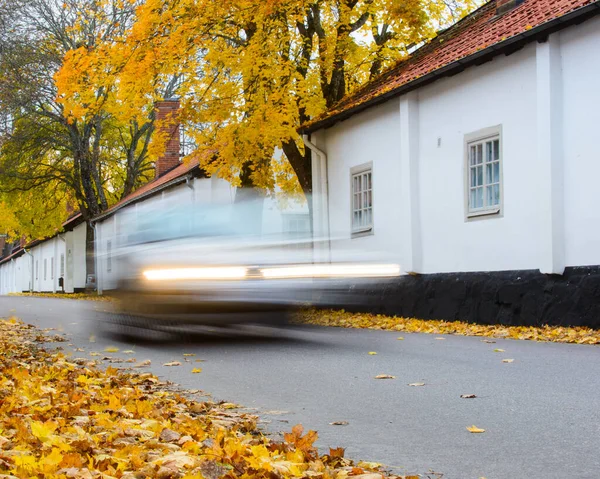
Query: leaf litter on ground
<point x="66" y="419"/>
<point x="344" y="319"/>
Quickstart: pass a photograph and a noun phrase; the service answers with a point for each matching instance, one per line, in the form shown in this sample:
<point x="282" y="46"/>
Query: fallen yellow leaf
<point x="400" y="338"/>
<point x="111" y="349"/>
<point x="341" y="318"/>
<point x="385" y="376"/>
<point x="129" y="351"/>
<point x="474" y="429"/>
<point x="507" y="360"/>
<point x="372" y="353"/>
<point x="498" y="350"/>
<point x="172" y="363"/>
<point x="197" y="370"/>
<point x="188" y="354"/>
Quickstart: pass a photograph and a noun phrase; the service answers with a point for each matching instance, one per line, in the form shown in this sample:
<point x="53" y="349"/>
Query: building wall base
<point x="517" y="298"/>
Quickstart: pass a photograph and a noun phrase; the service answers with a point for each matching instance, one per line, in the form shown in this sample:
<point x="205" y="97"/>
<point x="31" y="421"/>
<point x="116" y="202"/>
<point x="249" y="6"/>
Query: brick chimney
<point x="503" y="6"/>
<point x="166" y="117"/>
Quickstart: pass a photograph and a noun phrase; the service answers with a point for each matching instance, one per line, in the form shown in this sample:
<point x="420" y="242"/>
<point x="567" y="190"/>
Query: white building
<point x="39" y="266"/>
<point x="176" y="185"/>
<point x="474" y="163"/>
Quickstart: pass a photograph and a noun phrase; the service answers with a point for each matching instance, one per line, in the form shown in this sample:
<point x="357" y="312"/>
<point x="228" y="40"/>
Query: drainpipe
<point x="32" y="268"/>
<point x="96" y="249"/>
<point x="324" y="186"/>
<point x="14" y="278"/>
<point x="59" y="263"/>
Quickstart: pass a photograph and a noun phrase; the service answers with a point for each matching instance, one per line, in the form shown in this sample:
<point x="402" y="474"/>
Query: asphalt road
<point x="541" y="412"/>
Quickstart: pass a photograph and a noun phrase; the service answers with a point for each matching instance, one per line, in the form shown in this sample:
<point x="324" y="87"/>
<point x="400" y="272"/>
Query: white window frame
<point x="45" y="268"/>
<point x="481" y="137"/>
<point x="356" y="171"/>
<point x="52" y="267"/>
<point x="62" y="265"/>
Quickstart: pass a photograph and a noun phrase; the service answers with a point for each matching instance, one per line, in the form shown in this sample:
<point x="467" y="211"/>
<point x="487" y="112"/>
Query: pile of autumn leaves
<point x="70" y="420"/>
<point x="344" y="319"/>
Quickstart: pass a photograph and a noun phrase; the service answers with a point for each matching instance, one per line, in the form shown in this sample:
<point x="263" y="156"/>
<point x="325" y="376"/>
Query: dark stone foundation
<point x="518" y="298"/>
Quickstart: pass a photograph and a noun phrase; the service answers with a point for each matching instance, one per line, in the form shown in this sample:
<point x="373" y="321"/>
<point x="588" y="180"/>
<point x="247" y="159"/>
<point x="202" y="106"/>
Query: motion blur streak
<point x="333" y="271"/>
<point x="195" y="273"/>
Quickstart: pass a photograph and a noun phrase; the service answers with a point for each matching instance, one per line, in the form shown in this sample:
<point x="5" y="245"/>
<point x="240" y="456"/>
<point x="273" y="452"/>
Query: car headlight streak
<point x="332" y="271"/>
<point x="281" y="272"/>
<point x="218" y="273"/>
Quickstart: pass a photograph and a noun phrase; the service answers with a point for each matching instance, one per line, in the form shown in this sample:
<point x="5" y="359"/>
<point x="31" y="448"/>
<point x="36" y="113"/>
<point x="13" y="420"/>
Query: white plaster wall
<point x="23" y="273"/>
<point x="20" y="275"/>
<point x="205" y="192"/>
<point x="368" y="137"/>
<point x="501" y="92"/>
<point x="43" y="254"/>
<point x="8" y="277"/>
<point x="79" y="256"/>
<point x="580" y="52"/>
<point x="107" y="231"/>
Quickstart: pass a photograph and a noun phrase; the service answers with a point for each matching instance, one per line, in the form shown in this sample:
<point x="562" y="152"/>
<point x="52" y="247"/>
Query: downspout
<point x="324" y="185"/>
<point x="96" y="249"/>
<point x="32" y="268"/>
<point x="59" y="263"/>
<point x="14" y="268"/>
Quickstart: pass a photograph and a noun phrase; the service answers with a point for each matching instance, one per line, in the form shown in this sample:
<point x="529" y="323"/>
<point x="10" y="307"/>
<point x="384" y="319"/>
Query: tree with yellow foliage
<point x="48" y="158"/>
<point x="250" y="72"/>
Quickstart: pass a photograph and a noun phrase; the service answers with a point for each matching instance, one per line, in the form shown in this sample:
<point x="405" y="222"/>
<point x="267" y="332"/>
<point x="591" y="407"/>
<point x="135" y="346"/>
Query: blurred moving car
<point x="218" y="266"/>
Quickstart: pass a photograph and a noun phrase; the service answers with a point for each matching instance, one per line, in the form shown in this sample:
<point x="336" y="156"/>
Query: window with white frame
<point x="45" y="268"/>
<point x="62" y="265"/>
<point x="484" y="193"/>
<point x="362" y="199"/>
<point x="52" y="267"/>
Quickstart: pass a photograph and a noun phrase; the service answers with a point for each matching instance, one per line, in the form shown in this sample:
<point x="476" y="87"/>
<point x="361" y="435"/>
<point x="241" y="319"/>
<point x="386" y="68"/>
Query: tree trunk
<point x="301" y="163"/>
<point x="90" y="266"/>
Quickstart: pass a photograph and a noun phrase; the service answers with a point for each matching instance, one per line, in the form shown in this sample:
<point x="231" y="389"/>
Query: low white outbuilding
<point x="50" y="265"/>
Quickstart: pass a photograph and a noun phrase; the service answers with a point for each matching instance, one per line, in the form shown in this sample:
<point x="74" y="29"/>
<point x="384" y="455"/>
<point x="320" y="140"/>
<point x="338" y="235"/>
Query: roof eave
<point x="508" y="46"/>
<point x="173" y="182"/>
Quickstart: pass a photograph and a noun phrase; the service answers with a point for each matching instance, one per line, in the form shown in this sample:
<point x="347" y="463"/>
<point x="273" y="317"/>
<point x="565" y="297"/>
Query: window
<point x="484" y="190"/>
<point x="296" y="225"/>
<point x="45" y="268"/>
<point x="52" y="267"/>
<point x="296" y="228"/>
<point x="362" y="199"/>
<point x="37" y="269"/>
<point x="62" y="265"/>
<point x="108" y="256"/>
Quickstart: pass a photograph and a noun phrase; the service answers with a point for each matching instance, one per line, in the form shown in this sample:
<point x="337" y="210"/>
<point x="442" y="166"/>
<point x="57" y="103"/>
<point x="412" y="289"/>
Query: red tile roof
<point x="480" y="32"/>
<point x="153" y="186"/>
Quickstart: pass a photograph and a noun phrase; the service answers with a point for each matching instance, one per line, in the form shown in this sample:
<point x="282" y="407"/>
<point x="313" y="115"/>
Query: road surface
<point x="541" y="413"/>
